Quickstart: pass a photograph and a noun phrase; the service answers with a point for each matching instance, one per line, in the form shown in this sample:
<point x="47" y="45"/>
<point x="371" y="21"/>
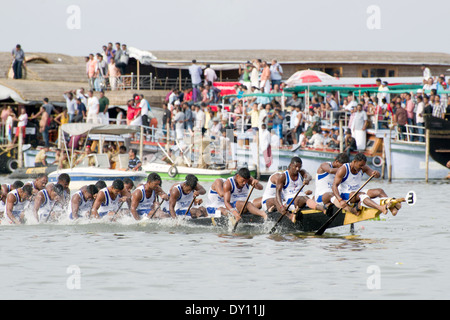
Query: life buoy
<point x="377" y="161"/>
<point x="12" y="165"/>
<point x="173" y="171"/>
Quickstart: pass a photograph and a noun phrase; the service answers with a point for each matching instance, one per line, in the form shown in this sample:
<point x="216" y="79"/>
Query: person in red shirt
<point x="131" y="111"/>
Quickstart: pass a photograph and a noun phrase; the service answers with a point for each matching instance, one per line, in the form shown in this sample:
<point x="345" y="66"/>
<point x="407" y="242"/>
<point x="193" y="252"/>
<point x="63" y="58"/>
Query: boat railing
<point x="150" y="82"/>
<point x="410" y="133"/>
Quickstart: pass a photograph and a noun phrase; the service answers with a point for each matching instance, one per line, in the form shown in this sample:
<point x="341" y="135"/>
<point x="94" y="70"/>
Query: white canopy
<point x="75" y="129"/>
<point x="144" y="57"/>
<point x="7" y="93"/>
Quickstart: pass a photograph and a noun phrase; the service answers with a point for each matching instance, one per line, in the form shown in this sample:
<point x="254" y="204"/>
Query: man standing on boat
<point x="348" y="180"/>
<point x="283" y="186"/>
<point x="181" y="196"/>
<point x="235" y="192"/>
<point x="143" y="199"/>
<point x="196" y="78"/>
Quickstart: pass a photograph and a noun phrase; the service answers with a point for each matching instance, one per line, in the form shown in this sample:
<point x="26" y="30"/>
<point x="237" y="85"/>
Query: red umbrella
<point x="308" y="76"/>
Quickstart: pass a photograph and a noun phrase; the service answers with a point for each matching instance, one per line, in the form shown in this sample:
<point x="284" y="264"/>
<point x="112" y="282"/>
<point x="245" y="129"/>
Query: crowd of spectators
<point x="290" y="120"/>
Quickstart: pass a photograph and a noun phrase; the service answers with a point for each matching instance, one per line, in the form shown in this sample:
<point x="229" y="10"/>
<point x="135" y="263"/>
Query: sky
<point x="80" y="27"/>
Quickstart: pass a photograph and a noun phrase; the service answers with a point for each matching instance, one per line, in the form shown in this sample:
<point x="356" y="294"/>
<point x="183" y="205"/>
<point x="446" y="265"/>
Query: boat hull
<point x="168" y="172"/>
<point x="408" y="162"/>
<point x="307" y="220"/>
<point x="31" y="173"/>
<point x="90" y="175"/>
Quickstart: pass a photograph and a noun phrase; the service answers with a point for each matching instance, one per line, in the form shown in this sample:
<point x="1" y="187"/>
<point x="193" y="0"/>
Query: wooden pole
<point x="138" y="74"/>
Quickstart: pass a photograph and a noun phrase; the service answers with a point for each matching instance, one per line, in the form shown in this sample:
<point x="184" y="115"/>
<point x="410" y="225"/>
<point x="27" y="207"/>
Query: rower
<point x="39" y="183"/>
<point x="348" y="180"/>
<point x="143" y="199"/>
<point x="46" y="199"/>
<point x="181" y="196"/>
<point x="324" y="181"/>
<point x="235" y="193"/>
<point x="109" y="199"/>
<point x="82" y="201"/>
<point x="283" y="186"/>
<point x="100" y="184"/>
<point x="215" y="198"/>
<point x="5" y="189"/>
<point x="16" y="202"/>
<point x="64" y="180"/>
<point x="128" y="184"/>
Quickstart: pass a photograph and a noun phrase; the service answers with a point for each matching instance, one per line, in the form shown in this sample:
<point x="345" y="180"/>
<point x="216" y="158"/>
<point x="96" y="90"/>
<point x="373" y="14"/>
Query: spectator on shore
<point x="188" y="117"/>
<point x="400" y="119"/>
<point x="80" y="111"/>
<point x="18" y="61"/>
<point x="276" y="75"/>
<point x="277" y="120"/>
<point x="92" y="67"/>
<point x="196" y="78"/>
<point x="101" y="70"/>
<point x="166" y="119"/>
<point x="103" y="106"/>
<point x="420" y="120"/>
<point x="265" y="84"/>
<point x="316" y="140"/>
<point x="71" y="104"/>
<point x="438" y="107"/>
<point x="44" y="124"/>
<point x="349" y="143"/>
<point x="209" y="74"/>
<point x="22" y="121"/>
<point x="93" y="108"/>
<point x="255" y="74"/>
<point x="121" y="57"/>
<point x="113" y="75"/>
<point x="359" y="126"/>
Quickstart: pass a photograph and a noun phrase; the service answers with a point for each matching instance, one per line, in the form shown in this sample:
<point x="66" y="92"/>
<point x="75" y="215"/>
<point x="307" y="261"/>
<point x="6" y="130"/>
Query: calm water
<point x="402" y="257"/>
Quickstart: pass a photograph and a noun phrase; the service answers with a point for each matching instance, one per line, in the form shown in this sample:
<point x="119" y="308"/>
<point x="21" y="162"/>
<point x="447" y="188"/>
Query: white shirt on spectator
<point x="70" y="104"/>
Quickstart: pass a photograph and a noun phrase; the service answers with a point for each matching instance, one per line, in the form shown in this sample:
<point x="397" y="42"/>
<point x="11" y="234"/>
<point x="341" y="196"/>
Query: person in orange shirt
<point x="265" y="77"/>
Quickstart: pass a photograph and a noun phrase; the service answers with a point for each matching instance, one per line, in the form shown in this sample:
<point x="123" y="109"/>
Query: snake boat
<point x="307" y="220"/>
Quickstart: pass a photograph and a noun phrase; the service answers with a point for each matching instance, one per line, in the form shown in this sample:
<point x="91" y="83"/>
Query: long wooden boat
<point x="439" y="136"/>
<point x="307" y="220"/>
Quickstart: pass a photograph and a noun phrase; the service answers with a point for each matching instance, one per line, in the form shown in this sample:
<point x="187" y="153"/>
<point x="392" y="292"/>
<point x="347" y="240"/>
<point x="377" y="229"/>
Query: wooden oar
<point x="329" y="221"/>
<point x="242" y="210"/>
<point x="156" y="209"/>
<point x="289" y="204"/>
<point x="190" y="205"/>
<point x="117" y="210"/>
<point x="50" y="212"/>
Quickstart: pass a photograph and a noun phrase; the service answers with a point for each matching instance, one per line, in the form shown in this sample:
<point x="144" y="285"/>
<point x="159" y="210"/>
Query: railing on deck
<point x="150" y="82"/>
